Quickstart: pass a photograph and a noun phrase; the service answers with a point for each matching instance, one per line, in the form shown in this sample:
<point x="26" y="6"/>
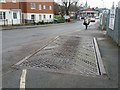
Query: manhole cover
<point x="67" y="54"/>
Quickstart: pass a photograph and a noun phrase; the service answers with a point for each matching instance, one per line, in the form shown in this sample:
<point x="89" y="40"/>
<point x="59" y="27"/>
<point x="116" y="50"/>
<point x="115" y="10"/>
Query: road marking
<point x="23" y="79"/>
<point x="29" y="56"/>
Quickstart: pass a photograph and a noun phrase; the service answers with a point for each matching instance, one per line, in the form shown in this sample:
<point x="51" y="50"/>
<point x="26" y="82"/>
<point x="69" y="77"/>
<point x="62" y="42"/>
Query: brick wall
<point x="26" y="7"/>
<point x="9" y="5"/>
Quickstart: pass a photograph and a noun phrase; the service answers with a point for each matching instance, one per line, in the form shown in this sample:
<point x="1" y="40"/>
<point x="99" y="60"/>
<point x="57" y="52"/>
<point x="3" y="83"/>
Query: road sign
<point x="112" y="19"/>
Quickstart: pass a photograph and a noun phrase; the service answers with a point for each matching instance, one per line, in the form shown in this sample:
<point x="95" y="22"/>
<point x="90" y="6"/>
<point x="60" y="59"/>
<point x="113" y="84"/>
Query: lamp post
<point x="76" y="9"/>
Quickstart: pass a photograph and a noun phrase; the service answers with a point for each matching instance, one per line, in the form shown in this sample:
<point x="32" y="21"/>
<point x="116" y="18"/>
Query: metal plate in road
<point x="67" y="54"/>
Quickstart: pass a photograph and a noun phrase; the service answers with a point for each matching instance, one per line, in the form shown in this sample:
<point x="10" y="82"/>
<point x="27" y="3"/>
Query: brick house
<point x="37" y="11"/>
<point x="10" y="12"/>
<point x="15" y="12"/>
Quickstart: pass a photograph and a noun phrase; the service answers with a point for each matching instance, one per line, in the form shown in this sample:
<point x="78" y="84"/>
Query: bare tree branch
<point x="67" y="4"/>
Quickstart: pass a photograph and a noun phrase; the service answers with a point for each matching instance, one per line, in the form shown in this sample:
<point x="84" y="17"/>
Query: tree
<point x="56" y="9"/>
<point x="59" y="9"/>
<point x="67" y="4"/>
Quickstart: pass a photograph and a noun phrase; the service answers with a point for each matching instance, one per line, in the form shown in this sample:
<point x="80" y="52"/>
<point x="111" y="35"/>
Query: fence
<point x="6" y="22"/>
<point x="115" y="33"/>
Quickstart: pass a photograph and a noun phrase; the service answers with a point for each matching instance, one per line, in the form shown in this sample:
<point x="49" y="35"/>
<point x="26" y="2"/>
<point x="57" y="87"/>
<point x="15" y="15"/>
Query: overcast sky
<point x="98" y="3"/>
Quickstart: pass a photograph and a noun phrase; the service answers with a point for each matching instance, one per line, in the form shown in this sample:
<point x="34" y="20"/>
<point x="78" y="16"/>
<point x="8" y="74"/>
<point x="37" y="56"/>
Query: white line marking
<point x="100" y="62"/>
<point x="22" y="79"/>
<point x="98" y="73"/>
<point x="29" y="56"/>
<point x="23" y="59"/>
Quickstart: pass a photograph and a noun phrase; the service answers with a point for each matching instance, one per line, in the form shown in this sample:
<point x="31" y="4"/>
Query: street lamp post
<point x="76" y="9"/>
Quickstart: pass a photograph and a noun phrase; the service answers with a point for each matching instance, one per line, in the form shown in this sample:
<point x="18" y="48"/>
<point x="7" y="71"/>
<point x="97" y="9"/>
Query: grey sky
<point x="98" y="3"/>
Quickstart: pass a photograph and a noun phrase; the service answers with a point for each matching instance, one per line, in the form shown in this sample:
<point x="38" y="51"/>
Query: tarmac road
<point x="12" y="38"/>
<point x="28" y="40"/>
<point x="19" y="43"/>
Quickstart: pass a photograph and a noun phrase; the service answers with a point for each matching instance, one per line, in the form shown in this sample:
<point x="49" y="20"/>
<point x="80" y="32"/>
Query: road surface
<point x="17" y="44"/>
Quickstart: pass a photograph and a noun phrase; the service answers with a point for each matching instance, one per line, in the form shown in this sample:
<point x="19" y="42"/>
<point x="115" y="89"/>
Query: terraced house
<point x="15" y="12"/>
<point x="10" y="12"/>
<point x="37" y="11"/>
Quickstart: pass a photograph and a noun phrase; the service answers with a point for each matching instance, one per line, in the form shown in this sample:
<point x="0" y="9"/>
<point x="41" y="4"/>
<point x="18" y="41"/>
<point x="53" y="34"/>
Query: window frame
<point x="3" y="1"/>
<point x="2" y="15"/>
<point x="15" y="17"/>
<point x="50" y="7"/>
<point x="50" y="16"/>
<point x="33" y="5"/>
<point x="40" y="7"/>
<point x="14" y="1"/>
<point x="44" y="7"/>
<point x="44" y="16"/>
<point x="33" y="17"/>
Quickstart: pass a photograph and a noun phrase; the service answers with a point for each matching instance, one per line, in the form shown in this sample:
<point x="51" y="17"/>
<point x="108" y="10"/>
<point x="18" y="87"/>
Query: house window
<point x="2" y="15"/>
<point x="44" y="16"/>
<point x="32" y="17"/>
<point x="33" y="6"/>
<point x="3" y="1"/>
<point x="50" y="16"/>
<point x="40" y="7"/>
<point x="14" y="1"/>
<point x="50" y="7"/>
<point x="14" y="15"/>
<point x="44" y="7"/>
<point x="40" y="17"/>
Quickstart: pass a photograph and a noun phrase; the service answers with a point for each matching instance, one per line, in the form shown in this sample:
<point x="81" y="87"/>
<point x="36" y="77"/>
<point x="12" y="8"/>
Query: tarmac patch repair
<point x="66" y="54"/>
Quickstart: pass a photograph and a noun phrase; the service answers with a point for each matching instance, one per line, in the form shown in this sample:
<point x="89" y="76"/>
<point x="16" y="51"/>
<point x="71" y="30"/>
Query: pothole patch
<point x="66" y="54"/>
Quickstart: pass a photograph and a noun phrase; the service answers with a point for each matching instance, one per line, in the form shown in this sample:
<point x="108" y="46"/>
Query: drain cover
<point x="67" y="54"/>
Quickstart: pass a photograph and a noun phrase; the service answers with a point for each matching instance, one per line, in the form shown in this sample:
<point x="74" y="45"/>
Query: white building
<point x="13" y="12"/>
<point x="9" y="13"/>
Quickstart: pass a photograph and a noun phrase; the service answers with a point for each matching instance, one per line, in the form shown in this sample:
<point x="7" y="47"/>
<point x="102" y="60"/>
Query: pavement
<point x="28" y="26"/>
<point x="14" y="27"/>
<point x="21" y="27"/>
<point x="36" y="78"/>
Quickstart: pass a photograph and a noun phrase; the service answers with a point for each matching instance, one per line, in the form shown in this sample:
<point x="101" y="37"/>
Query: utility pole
<point x="76" y="9"/>
<point x="20" y="11"/>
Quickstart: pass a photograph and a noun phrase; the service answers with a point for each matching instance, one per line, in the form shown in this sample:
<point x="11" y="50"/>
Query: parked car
<point x="92" y="19"/>
<point x="59" y="20"/>
<point x="96" y="17"/>
<point x="55" y="20"/>
<point x="82" y="17"/>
